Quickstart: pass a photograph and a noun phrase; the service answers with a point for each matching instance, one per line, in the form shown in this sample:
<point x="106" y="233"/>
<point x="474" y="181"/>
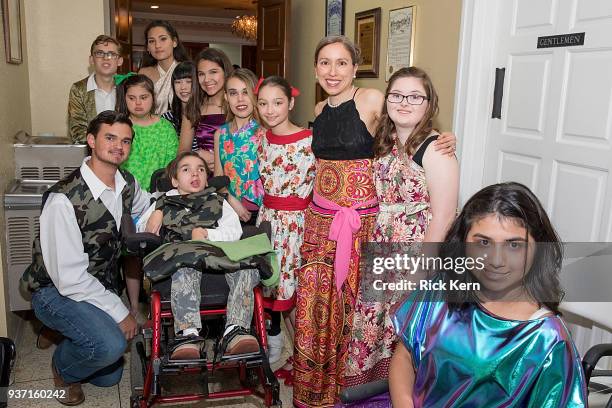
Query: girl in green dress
<point x="155" y="142"/>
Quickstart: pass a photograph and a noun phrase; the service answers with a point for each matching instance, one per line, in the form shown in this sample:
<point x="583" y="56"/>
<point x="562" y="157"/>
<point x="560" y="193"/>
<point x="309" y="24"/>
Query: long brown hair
<point x="384" y="140"/>
<point x="198" y="96"/>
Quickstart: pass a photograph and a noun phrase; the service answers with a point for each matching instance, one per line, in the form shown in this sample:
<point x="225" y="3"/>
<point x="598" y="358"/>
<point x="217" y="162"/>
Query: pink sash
<point x="346" y="222"/>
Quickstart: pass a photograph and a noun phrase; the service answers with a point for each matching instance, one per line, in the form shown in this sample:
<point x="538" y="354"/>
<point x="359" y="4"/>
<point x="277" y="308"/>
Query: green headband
<point x="119" y="78"/>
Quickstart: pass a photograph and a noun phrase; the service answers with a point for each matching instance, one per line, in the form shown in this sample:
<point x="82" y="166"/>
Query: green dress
<point x="153" y="148"/>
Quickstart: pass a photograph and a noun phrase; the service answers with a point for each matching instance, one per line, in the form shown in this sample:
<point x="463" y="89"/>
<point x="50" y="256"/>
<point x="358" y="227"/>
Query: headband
<point x="119" y="78"/>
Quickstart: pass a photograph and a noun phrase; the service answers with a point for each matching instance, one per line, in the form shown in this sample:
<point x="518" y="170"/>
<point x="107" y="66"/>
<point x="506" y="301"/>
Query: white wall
<point x="233" y="51"/>
<point x="14" y="116"/>
<point x="59" y="33"/>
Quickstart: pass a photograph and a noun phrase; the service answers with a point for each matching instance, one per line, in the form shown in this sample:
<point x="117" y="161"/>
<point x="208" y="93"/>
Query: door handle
<point x="498" y="92"/>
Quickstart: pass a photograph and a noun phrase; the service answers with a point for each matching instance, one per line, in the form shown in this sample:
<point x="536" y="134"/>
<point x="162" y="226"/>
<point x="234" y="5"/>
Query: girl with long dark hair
<point x="164" y="52"/>
<point x="502" y="343"/>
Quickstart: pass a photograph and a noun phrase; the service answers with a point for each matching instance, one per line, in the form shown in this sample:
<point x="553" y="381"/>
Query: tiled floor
<point x="32" y="372"/>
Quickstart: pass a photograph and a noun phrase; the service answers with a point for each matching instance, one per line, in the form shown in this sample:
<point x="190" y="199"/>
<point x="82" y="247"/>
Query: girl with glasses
<point x="417" y="188"/>
<point x="340" y="217"/>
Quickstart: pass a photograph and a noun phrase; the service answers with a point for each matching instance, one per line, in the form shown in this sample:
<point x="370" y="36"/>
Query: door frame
<point x="474" y="90"/>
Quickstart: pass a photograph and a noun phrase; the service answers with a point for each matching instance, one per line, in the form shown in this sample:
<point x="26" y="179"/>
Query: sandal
<point x="237" y="341"/>
<point x="186" y="348"/>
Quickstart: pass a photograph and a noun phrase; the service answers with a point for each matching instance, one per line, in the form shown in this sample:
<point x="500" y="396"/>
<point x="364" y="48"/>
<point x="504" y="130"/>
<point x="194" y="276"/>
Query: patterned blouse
<point x="238" y="157"/>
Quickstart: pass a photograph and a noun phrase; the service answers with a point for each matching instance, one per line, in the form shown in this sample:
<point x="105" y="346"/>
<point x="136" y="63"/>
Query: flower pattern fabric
<point x="286" y="170"/>
<point x="404" y="214"/>
<point x="238" y="158"/>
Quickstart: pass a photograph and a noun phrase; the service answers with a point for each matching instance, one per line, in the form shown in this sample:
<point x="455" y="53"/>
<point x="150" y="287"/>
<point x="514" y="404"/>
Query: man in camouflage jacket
<point x="74" y="276"/>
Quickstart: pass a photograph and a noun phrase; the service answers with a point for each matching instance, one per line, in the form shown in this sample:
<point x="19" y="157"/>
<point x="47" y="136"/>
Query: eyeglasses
<point x="106" y="55"/>
<point x="411" y="99"/>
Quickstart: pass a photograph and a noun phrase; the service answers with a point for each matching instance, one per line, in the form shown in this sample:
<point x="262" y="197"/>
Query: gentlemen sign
<point x="561" y="40"/>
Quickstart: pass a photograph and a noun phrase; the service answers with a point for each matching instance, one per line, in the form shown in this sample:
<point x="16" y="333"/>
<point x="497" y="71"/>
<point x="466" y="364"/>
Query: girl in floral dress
<point x="417" y="189"/>
<point x="287" y="168"/>
<point x="236" y="143"/>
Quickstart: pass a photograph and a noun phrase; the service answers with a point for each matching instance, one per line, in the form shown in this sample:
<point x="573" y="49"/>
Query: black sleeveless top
<point x="340" y="134"/>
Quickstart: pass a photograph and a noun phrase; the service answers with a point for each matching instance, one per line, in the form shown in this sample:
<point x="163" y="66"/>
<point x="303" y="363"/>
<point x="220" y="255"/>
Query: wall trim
<point x="474" y="90"/>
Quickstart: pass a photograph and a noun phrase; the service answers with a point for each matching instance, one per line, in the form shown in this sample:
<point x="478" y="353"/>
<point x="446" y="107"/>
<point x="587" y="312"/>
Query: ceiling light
<point x="245" y="27"/>
<point x="154" y="7"/>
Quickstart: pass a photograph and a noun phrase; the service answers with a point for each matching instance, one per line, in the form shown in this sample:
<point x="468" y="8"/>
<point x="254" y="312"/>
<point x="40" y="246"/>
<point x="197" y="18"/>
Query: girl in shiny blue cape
<point x="504" y="345"/>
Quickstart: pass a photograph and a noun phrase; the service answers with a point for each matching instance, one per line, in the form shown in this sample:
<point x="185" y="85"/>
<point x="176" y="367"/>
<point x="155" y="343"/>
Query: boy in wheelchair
<point x="195" y="211"/>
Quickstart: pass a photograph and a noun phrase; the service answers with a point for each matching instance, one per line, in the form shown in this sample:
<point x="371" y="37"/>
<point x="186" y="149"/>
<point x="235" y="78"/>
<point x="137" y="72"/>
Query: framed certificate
<point x="334" y="17"/>
<point x="400" y="44"/>
<point x="367" y="36"/>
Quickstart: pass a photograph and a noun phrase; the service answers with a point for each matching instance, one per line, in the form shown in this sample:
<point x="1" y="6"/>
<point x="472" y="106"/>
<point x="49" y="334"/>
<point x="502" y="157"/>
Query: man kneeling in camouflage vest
<point x="74" y="276"/>
<point x="200" y="213"/>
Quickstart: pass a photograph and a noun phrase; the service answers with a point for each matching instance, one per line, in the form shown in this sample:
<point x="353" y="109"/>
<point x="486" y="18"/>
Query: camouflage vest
<point x="184" y="213"/>
<point x="101" y="238"/>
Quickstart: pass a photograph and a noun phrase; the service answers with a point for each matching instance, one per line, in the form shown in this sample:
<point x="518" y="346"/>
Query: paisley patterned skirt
<point x="324" y="315"/>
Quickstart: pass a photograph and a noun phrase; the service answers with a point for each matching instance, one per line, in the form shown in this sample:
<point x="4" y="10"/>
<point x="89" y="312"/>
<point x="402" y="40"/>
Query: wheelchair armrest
<point x="363" y="391"/>
<point x="218" y="182"/>
<point x="592" y="356"/>
<point x="138" y="243"/>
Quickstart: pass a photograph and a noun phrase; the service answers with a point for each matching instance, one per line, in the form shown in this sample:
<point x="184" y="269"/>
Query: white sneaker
<point x="275" y="347"/>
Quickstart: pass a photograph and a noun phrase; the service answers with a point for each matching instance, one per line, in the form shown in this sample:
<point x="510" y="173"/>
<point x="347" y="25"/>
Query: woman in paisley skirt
<point x="417" y="189"/>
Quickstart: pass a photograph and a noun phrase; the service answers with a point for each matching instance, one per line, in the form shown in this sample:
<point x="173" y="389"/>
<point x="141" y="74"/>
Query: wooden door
<point x="121" y="29"/>
<point x="273" y="19"/>
<point x="249" y="57"/>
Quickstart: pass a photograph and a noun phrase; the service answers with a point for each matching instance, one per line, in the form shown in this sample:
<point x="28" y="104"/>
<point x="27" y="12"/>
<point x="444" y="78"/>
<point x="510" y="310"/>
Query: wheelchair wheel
<point x="137" y="369"/>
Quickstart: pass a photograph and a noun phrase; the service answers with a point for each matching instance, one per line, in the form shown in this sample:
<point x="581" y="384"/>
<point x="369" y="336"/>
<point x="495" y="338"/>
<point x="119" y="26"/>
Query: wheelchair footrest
<point x="200" y="362"/>
<point x="255" y="356"/>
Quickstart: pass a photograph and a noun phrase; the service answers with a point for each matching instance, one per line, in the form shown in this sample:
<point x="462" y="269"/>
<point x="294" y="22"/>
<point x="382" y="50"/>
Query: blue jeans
<point x="93" y="348"/>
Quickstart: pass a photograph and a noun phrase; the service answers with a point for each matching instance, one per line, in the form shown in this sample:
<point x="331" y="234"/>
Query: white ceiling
<point x="196" y="8"/>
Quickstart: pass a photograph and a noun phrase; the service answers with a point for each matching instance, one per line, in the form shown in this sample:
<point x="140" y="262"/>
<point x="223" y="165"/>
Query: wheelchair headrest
<point x="161" y="183"/>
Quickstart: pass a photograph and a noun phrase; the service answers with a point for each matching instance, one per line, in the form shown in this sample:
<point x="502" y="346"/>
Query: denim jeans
<point x="93" y="347"/>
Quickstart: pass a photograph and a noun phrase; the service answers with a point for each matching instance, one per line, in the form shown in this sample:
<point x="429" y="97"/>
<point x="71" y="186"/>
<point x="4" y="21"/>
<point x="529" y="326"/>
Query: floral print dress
<point x="404" y="214"/>
<point x="287" y="169"/>
<point x="238" y="158"/>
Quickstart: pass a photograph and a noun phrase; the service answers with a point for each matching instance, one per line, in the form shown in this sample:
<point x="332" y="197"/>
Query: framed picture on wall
<point x="367" y="36"/>
<point x="334" y="17"/>
<point x="11" y="19"/>
<point x="400" y="44"/>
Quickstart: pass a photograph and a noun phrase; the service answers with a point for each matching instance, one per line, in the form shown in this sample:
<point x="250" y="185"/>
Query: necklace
<point x="331" y="105"/>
